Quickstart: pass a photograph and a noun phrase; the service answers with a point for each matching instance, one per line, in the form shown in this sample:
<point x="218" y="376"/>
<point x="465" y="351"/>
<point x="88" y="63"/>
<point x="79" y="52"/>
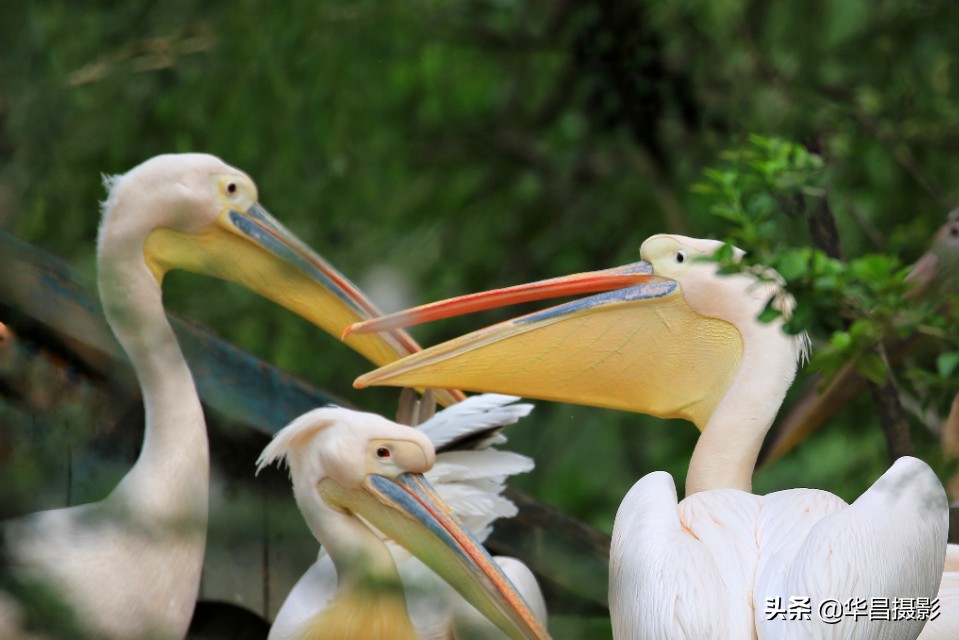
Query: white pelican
<point x="345" y="464"/>
<point x="470" y="481"/>
<point x="129" y="565"/>
<point x="720" y="564"/>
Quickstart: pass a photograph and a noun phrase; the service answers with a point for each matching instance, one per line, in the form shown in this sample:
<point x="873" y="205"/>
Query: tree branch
<point x="892" y="416"/>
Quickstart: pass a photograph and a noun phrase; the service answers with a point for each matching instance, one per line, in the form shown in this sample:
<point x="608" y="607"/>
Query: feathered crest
<point x="774" y="288"/>
<point x="109" y="183"/>
<point x="296" y="434"/>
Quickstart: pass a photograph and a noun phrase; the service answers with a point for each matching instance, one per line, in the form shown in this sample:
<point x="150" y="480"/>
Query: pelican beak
<point x="253" y="249"/>
<point x="591" y="282"/>
<point x="639" y="348"/>
<point x="408" y="511"/>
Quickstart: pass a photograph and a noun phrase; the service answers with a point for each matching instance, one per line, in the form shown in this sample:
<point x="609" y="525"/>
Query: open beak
<point x="409" y="511"/>
<point x="579" y="283"/>
<point x="639" y="348"/>
<point x="253" y="249"/>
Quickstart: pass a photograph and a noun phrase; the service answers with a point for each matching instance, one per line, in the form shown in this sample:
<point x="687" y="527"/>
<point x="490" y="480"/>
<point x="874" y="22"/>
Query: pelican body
<point x="685" y="342"/>
<point x="128" y="567"/>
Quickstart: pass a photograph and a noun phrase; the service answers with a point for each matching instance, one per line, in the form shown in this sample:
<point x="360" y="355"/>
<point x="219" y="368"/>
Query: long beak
<point x="409" y="511"/>
<point x="637" y="349"/>
<point x="253" y="249"/>
<point x="580" y="283"/>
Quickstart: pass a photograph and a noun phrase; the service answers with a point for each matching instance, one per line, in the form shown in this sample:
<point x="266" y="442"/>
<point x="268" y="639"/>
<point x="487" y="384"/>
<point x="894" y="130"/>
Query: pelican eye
<point x="680" y="256"/>
<point x="954" y="232"/>
<point x="231" y="188"/>
<point x="383" y="453"/>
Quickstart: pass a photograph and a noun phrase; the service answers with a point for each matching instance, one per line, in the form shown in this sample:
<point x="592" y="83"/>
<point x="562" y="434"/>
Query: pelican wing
<point x="681" y="571"/>
<point x="475" y="416"/>
<point x="890" y="543"/>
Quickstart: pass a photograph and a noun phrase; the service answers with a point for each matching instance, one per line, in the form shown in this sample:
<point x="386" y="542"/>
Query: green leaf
<point x="724" y="253"/>
<point x="793" y="264"/>
<point x="840" y="340"/>
<point x="871" y="366"/>
<point x="946" y="363"/>
<point x="769" y="314"/>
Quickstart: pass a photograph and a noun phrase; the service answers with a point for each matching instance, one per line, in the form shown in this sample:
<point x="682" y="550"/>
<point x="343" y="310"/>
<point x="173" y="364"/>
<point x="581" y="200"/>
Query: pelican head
<point x="345" y="463"/>
<point x="669" y="343"/>
<point x="195" y="212"/>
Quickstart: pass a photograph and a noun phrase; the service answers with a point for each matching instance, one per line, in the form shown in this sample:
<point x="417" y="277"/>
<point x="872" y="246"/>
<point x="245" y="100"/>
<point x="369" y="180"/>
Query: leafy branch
<point x="853" y="309"/>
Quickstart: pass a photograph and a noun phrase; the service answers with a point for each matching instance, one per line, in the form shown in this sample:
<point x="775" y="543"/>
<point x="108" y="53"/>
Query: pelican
<point x="346" y="465"/>
<point x="685" y="342"/>
<point x="128" y="567"/>
<point x="470" y="481"/>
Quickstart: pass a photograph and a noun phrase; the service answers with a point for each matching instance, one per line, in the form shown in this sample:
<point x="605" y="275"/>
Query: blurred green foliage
<point x="430" y="149"/>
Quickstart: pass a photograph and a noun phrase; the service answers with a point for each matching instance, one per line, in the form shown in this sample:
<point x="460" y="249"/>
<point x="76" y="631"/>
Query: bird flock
<point x="400" y="509"/>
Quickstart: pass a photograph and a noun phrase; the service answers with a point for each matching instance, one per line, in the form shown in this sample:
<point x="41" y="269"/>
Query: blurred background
<point x="429" y="149"/>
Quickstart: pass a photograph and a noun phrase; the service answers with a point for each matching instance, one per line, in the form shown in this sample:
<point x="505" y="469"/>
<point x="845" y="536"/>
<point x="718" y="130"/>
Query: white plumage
<point x="474" y="415"/>
<point x="723" y="561"/>
<point x="471" y="482"/>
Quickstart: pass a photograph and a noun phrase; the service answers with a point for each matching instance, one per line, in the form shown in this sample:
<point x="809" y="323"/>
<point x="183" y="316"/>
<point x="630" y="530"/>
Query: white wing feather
<point x="475" y="414"/>
<point x="460" y="466"/>
<point x="888" y="544"/>
<point x="665" y="579"/>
